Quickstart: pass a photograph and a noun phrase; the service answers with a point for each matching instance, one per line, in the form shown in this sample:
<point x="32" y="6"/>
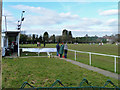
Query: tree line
<point x="34" y="38"/>
<point x="67" y="37"/>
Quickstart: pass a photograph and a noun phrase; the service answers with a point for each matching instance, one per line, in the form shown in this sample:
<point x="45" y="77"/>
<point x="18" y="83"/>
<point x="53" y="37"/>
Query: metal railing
<point x="84" y="80"/>
<point x="91" y="53"/>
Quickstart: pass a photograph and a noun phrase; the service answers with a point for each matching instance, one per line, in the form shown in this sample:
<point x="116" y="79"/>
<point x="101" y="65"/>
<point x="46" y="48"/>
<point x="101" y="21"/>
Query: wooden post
<point x="0" y="44"/>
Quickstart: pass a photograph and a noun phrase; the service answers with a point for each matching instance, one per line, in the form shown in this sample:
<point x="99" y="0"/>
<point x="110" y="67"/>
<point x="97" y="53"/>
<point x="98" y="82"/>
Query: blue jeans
<point x="65" y="53"/>
<point x="57" y="53"/>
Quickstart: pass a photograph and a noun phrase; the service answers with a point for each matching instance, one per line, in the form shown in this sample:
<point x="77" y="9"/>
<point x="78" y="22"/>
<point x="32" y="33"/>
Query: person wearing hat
<point x="61" y="50"/>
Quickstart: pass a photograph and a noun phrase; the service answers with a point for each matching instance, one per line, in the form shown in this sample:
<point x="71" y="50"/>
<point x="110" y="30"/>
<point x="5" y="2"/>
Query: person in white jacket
<point x="65" y="50"/>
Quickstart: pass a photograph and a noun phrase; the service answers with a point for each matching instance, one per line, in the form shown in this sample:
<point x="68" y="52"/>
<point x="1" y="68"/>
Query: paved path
<point x="101" y="71"/>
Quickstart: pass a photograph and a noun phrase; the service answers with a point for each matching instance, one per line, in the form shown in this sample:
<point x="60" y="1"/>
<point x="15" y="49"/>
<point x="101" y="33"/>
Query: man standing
<point x="65" y="50"/>
<point x="61" y="50"/>
<point x="12" y="47"/>
<point x="44" y="43"/>
<point x="58" y="47"/>
<point x="37" y="44"/>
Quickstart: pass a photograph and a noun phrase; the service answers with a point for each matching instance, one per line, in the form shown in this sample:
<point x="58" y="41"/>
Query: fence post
<point x="75" y="55"/>
<point x="38" y="53"/>
<point x="115" y="65"/>
<point x="90" y="58"/>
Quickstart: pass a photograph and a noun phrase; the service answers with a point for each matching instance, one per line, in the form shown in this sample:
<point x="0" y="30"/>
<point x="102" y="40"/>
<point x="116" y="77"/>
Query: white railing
<point x="90" y="58"/>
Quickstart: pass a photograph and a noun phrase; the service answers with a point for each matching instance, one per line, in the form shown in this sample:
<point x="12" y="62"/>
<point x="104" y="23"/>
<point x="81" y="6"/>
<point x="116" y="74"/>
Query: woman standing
<point x="61" y="50"/>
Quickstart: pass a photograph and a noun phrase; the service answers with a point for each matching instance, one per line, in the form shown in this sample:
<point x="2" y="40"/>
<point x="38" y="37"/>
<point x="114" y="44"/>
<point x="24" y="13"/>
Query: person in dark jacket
<point x="61" y="50"/>
<point x="44" y="44"/>
<point x="58" y="47"/>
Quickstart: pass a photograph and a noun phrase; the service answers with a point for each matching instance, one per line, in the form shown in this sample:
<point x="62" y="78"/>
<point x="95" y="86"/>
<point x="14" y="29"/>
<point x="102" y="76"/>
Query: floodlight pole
<point x="21" y="19"/>
<point x="19" y="28"/>
<point x="19" y="25"/>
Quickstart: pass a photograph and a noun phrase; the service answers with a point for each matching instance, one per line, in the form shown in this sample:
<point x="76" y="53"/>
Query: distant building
<point x="109" y="39"/>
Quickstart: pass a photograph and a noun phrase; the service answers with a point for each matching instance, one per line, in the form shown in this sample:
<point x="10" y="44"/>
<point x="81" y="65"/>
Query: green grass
<point x="33" y="54"/>
<point x="35" y="46"/>
<point x="105" y="49"/>
<point x="44" y="71"/>
<point x="103" y="62"/>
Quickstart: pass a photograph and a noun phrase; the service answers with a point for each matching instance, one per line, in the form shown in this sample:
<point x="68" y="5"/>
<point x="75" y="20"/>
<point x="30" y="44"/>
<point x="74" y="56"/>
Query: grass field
<point x="103" y="62"/>
<point x="105" y="49"/>
<point x="44" y="71"/>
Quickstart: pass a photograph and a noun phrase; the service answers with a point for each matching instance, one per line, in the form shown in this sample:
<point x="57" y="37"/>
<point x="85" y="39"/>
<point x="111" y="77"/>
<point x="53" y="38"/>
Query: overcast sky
<point x="92" y="18"/>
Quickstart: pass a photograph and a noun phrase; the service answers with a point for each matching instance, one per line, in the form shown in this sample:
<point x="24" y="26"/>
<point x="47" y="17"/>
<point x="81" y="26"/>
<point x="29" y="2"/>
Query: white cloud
<point x="85" y="24"/>
<point x="68" y="15"/>
<point x="9" y="16"/>
<point x="6" y="12"/>
<point x="112" y="22"/>
<point x="39" y="19"/>
<point x="109" y="12"/>
<point x="45" y="16"/>
<point x="83" y="1"/>
<point x="94" y="26"/>
<point x="11" y="20"/>
<point x="38" y="10"/>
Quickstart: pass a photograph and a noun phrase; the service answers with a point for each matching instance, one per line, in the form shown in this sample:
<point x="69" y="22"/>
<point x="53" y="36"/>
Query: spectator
<point x="65" y="50"/>
<point x="37" y="44"/>
<point x="58" y="47"/>
<point x="44" y="44"/>
<point x="15" y="47"/>
<point x="12" y="47"/>
<point x="61" y="50"/>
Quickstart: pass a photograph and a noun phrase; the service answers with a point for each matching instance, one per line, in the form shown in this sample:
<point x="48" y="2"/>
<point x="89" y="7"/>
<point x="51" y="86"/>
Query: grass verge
<point x="44" y="71"/>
